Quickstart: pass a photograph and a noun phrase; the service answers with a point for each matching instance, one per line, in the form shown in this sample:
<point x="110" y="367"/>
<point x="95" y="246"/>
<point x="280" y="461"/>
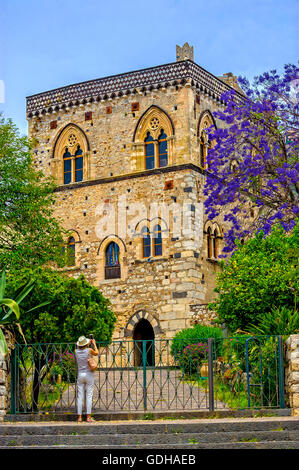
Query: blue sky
<point x="46" y="44"/>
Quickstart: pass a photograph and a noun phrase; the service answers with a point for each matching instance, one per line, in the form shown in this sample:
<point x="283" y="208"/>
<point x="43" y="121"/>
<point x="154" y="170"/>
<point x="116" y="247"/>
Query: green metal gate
<point x="209" y="374"/>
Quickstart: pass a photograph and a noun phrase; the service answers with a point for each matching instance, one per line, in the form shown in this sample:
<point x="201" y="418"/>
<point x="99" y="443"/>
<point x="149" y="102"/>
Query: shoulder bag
<point x="92" y="364"/>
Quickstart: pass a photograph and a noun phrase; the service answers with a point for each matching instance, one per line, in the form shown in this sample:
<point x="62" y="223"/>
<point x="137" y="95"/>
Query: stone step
<point x="67" y="416"/>
<point x="157" y="439"/>
<point x="242" y="433"/>
<point x="290" y="445"/>
<point x="161" y="427"/>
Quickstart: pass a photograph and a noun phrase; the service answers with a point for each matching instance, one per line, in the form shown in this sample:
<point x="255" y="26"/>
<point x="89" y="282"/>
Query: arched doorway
<point x="144" y="338"/>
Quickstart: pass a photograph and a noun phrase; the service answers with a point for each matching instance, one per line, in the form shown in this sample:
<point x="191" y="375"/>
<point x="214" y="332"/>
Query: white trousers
<point x="85" y="385"/>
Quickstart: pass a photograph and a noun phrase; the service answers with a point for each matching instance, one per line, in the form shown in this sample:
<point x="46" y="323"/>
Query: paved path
<point x="117" y="390"/>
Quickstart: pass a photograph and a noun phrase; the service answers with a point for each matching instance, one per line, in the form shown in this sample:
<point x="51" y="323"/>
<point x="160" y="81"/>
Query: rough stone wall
<point x="201" y="315"/>
<point x="5" y="377"/>
<point x="110" y="135"/>
<point x="164" y="286"/>
<point x="292" y="372"/>
<point x="110" y="131"/>
<point x="168" y="285"/>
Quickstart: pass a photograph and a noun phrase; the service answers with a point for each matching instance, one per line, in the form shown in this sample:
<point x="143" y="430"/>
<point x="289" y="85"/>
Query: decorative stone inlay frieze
<point x="173" y="74"/>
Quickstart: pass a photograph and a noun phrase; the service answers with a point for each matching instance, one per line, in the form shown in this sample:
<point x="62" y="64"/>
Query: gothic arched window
<point x="71" y="252"/>
<point x="209" y="242"/>
<point x="153" y="140"/>
<point x="157" y="241"/>
<point x="146" y="242"/>
<point x="215" y="244"/>
<point x="163" y="151"/>
<point x="112" y="267"/>
<point x="202" y="152"/>
<point x="67" y="167"/>
<point x="71" y="154"/>
<point x="112" y="254"/>
<point x="78" y="164"/>
<point x="213" y="233"/>
<point x="73" y="172"/>
<point x="206" y="120"/>
<point x="149" y="152"/>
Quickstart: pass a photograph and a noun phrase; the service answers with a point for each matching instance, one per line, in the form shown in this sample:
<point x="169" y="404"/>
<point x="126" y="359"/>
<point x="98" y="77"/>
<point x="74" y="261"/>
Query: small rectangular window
<point x="88" y="116"/>
<point x="53" y="124"/>
<point x="135" y="106"/>
<point x="108" y="109"/>
<point x="168" y="184"/>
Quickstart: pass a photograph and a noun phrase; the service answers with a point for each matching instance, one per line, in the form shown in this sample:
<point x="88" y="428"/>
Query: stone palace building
<point x="128" y="153"/>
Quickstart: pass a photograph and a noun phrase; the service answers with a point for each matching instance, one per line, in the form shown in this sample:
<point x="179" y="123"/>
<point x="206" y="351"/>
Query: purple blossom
<point x="260" y="134"/>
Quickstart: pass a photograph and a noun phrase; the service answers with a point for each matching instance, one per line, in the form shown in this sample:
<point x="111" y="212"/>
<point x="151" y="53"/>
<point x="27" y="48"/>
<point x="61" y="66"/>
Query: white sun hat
<point x="82" y="341"/>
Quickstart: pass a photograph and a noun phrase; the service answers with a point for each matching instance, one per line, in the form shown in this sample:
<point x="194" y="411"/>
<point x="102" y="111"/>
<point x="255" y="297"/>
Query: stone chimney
<point x="231" y="80"/>
<point x="185" y="52"/>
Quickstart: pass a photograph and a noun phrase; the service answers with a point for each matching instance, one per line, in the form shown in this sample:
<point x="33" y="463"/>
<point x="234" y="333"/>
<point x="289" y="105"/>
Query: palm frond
<point x="2" y="284"/>
<point x="12" y="305"/>
<point x="3" y="344"/>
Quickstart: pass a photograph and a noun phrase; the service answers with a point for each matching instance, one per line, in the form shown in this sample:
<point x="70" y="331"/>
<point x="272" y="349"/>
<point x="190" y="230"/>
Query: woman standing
<point x="85" y="381"/>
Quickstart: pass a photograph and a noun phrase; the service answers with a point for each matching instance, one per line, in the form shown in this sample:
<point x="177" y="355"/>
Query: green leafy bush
<point x="264" y="371"/>
<point x="64" y="365"/>
<point x="75" y="307"/>
<point x="280" y="321"/>
<point x="261" y="355"/>
<point x="260" y="275"/>
<point x="192" y="356"/>
<point x="30" y="234"/>
<point x="193" y="335"/>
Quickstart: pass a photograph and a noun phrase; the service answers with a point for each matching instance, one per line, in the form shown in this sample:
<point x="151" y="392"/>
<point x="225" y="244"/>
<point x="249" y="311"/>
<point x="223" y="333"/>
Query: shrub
<point x="261" y="274"/>
<point x="64" y="365"/>
<point x="262" y="361"/>
<point x="281" y="321"/>
<point x="193" y="335"/>
<point x="75" y="307"/>
<point x="192" y="356"/>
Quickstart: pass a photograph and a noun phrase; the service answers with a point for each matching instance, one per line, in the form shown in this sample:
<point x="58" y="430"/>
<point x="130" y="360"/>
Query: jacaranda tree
<point x="253" y="168"/>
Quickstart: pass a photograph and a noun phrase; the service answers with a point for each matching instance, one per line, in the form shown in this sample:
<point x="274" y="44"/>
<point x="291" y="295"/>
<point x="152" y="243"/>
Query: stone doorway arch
<point x="144" y="344"/>
<point x="143" y="326"/>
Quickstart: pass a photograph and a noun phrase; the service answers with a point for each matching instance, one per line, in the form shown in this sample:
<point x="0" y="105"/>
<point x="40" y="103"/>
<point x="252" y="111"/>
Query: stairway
<point x="228" y="433"/>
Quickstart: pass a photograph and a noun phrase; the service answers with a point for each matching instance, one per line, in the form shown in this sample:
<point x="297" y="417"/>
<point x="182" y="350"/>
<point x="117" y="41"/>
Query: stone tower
<point x="128" y="153"/>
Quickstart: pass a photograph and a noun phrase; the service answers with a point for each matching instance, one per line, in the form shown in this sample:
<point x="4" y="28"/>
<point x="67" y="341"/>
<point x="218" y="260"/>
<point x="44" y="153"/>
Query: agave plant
<point x="10" y="310"/>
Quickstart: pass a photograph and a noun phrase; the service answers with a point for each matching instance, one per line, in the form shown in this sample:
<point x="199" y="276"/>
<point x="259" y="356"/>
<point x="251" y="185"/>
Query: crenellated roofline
<point x="180" y="73"/>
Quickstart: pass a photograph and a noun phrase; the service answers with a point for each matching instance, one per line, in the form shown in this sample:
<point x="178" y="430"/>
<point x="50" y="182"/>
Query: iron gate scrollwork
<point x="209" y="374"/>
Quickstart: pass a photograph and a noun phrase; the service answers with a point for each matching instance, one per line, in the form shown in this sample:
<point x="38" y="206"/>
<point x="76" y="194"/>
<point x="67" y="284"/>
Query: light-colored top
<point x="82" y="356"/>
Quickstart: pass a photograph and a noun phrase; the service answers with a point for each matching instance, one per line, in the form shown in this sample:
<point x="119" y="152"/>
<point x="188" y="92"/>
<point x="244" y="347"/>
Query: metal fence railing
<point x="208" y="374"/>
